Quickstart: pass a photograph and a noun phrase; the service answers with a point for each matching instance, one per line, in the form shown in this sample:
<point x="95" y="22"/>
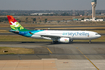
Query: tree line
<point x="3" y="19"/>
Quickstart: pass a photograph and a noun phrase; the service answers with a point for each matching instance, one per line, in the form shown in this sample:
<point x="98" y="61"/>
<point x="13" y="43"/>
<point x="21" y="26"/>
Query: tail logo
<point x="16" y="25"/>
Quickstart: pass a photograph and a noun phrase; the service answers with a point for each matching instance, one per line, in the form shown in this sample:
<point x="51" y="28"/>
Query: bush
<point x="3" y="19"/>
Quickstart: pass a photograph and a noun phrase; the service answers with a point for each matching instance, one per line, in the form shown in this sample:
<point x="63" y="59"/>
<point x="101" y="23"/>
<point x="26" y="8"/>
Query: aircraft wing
<point x="50" y="36"/>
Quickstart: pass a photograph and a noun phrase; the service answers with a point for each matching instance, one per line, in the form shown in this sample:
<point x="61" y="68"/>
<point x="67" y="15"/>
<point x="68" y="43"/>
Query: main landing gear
<point x="89" y="41"/>
<point x="71" y="41"/>
<point x="54" y="42"/>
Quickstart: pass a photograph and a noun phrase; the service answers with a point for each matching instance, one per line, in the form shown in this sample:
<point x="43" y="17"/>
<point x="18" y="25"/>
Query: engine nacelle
<point x="65" y="40"/>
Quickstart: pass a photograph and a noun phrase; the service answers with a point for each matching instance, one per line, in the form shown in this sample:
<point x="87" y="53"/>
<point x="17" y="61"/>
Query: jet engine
<point x="65" y="40"/>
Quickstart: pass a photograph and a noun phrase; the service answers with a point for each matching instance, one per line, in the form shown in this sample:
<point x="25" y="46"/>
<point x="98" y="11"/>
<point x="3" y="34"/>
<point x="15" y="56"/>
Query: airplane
<point x="64" y="36"/>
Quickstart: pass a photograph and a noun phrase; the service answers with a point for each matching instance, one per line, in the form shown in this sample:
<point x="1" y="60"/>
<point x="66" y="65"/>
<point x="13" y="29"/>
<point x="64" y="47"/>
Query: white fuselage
<point x="74" y="35"/>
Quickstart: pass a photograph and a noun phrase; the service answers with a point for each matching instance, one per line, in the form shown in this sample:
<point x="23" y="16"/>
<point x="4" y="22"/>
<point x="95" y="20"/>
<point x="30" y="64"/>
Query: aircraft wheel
<point x="54" y="42"/>
<point x="71" y="40"/>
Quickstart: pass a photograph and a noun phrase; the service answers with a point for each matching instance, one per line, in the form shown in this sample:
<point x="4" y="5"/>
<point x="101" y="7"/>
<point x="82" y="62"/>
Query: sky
<point x="50" y="5"/>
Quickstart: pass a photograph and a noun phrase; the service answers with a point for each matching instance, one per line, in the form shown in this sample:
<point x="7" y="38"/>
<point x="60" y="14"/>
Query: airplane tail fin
<point x="15" y="26"/>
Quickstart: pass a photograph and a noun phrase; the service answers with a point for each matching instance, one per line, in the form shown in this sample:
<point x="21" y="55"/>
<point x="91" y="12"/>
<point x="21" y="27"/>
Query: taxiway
<point x="47" y="56"/>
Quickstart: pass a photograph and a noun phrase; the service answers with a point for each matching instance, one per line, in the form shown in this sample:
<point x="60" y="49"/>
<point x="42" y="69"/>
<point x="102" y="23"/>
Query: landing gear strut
<point x="71" y="41"/>
<point x="54" y="42"/>
<point x="89" y="41"/>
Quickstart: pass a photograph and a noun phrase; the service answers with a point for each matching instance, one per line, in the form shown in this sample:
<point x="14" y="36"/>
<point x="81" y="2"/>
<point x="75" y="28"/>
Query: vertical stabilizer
<point x="14" y="24"/>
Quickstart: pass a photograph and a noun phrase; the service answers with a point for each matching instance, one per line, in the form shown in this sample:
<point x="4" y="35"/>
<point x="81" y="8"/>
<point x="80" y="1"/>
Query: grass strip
<point x="4" y="31"/>
<point x="11" y="50"/>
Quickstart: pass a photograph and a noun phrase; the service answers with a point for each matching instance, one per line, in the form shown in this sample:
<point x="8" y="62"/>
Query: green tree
<point x="3" y="19"/>
<point x="58" y="21"/>
<point x="34" y="19"/>
<point x="45" y="20"/>
<point x="63" y="20"/>
<point x="19" y="21"/>
<point x="40" y="21"/>
<point x="82" y="19"/>
<point x="27" y="19"/>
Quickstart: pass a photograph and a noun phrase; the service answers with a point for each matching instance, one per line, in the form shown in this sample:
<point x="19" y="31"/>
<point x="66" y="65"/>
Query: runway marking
<point x="47" y="49"/>
<point x="89" y="60"/>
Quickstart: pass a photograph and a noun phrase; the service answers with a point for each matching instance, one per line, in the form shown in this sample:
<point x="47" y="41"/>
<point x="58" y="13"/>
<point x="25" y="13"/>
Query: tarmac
<point x="61" y="56"/>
